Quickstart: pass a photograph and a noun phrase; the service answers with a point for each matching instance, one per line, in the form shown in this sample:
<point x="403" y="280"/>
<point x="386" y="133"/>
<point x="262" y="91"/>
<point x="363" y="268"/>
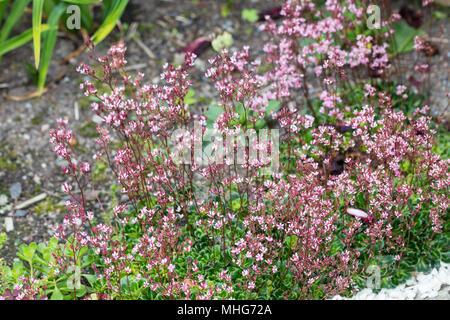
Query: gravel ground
<point x="431" y="286"/>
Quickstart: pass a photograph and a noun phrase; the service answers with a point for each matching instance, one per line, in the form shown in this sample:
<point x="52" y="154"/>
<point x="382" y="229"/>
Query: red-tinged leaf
<point x="273" y="13"/>
<point x="198" y="46"/>
<point x="414" y="81"/>
<point x="412" y="17"/>
<point x="430" y="49"/>
<point x="337" y="165"/>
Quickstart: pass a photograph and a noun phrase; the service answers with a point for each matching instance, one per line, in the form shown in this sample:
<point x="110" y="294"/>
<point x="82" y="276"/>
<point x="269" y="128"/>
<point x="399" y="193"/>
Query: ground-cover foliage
<point x="361" y="182"/>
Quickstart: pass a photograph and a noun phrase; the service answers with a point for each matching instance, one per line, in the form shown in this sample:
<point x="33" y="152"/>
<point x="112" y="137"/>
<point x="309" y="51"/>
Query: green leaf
<point x="18" y="269"/>
<point x="49" y="5"/>
<point x="57" y="295"/>
<point x="15" y="13"/>
<point x="274" y="105"/>
<point x="38" y="6"/>
<point x="53" y="243"/>
<point x="86" y="17"/>
<point x="3" y="6"/>
<point x="28" y="253"/>
<point x="47" y="255"/>
<point x="19" y="40"/>
<point x="106" y="8"/>
<point x="223" y="41"/>
<point x="81" y="291"/>
<point x="3" y="238"/>
<point x="110" y="22"/>
<point x="49" y="43"/>
<point x="440" y="15"/>
<point x="241" y="112"/>
<point x="404" y="37"/>
<point x="291" y="241"/>
<point x="261" y="123"/>
<point x="190" y="97"/>
<point x="213" y="112"/>
<point x="41" y="247"/>
<point x="80" y="2"/>
<point x="225" y="11"/>
<point x="387" y="260"/>
<point x="337" y="246"/>
<point x="92" y="278"/>
<point x="250" y="15"/>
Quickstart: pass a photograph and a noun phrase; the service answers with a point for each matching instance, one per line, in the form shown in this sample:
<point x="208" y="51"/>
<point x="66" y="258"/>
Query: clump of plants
<point x="353" y="181"/>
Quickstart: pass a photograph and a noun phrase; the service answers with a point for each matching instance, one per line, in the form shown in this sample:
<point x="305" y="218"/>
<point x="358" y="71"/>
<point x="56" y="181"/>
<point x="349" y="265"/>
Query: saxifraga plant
<point x="359" y="183"/>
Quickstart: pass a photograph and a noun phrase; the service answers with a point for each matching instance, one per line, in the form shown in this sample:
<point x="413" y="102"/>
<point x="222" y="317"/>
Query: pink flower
<point x="66" y="187"/>
<point x="400" y="90"/>
<point x="85" y="167"/>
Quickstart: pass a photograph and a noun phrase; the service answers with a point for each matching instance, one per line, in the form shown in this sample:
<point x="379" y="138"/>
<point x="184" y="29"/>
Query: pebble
<point x="434" y="285"/>
<point x="15" y="190"/>
<point x="97" y="119"/>
<point x="45" y="127"/>
<point x="178" y="58"/>
<point x="3" y="200"/>
<point x="36" y="179"/>
<point x="20" y="213"/>
<point x="9" y="225"/>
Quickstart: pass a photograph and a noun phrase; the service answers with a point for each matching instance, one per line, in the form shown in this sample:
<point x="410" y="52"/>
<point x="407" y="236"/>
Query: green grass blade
<point x="106" y="7"/>
<point x="38" y="7"/>
<point x="86" y="17"/>
<point x="49" y="5"/>
<point x="19" y="40"/>
<point x="82" y="1"/>
<point x="3" y="6"/>
<point x="110" y="22"/>
<point x="49" y="43"/>
<point x="16" y="12"/>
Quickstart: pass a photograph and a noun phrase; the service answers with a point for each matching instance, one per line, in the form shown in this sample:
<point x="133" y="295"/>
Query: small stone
<point x="45" y="127"/>
<point x="91" y="195"/>
<point x="3" y="200"/>
<point x="15" y="190"/>
<point x="20" y="213"/>
<point x="61" y="163"/>
<point x="200" y="64"/>
<point x="227" y="25"/>
<point x="97" y="119"/>
<point x="9" y="225"/>
<point x="411" y="282"/>
<point x="178" y="58"/>
<point x="36" y="179"/>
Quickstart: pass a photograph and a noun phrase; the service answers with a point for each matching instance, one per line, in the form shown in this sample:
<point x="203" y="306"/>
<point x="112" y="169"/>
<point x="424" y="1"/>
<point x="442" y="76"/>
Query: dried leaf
<point x="198" y="46"/>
